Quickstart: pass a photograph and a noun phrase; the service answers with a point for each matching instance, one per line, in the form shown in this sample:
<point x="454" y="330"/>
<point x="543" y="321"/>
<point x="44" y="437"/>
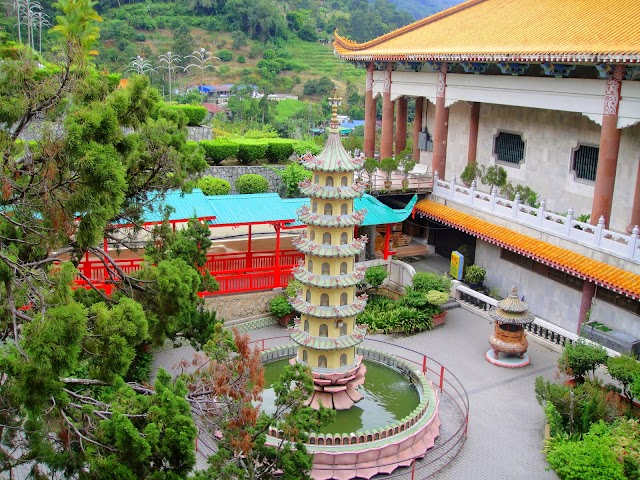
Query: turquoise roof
<point x="377" y="212"/>
<point x="184" y="205"/>
<point x="249" y="208"/>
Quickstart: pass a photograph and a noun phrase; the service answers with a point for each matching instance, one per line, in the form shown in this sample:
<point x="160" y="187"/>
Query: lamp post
<point x="170" y="62"/>
<point x="201" y="58"/>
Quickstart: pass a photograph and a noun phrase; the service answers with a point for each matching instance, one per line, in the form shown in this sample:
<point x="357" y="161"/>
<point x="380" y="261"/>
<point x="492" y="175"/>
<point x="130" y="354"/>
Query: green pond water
<point x="388" y="396"/>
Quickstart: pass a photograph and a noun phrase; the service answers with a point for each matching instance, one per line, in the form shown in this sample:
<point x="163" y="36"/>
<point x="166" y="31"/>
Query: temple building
<point x="550" y="92"/>
<point x="326" y="330"/>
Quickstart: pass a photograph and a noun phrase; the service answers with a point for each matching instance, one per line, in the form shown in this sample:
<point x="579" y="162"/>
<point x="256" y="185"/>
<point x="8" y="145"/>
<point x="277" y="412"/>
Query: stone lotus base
<point x="337" y="390"/>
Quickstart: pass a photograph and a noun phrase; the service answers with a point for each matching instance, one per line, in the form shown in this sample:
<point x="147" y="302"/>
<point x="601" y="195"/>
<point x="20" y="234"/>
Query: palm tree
<point x="77" y="24"/>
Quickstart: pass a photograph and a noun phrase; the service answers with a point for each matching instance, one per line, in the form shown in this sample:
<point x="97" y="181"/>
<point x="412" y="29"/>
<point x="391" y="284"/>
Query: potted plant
<point x="370" y="165"/>
<point x="279" y="307"/>
<point x="474" y="276"/>
<point x="388" y="165"/>
<point x="470" y="173"/>
<point x="406" y="165"/>
<point x="437" y="299"/>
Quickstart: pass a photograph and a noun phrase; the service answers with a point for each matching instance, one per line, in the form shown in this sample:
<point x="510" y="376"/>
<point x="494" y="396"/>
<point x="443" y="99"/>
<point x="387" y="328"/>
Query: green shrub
<point x="250" y="150"/>
<point x="225" y="55"/>
<point x="241" y="59"/>
<point x="470" y="173"/>
<point x="413" y="298"/>
<point x="375" y="276"/>
<point x="252" y="183"/>
<point x="279" y="150"/>
<point x="474" y="274"/>
<point x="624" y="369"/>
<point x="279" y="306"/>
<point x="291" y="175"/>
<point x="215" y="151"/>
<point x="303" y="146"/>
<point x="213" y="186"/>
<point x="426" y="281"/>
<point x="589" y="458"/>
<point x="580" y="358"/>
<point x="195" y="114"/>
<point x="293" y="288"/>
<point x="434" y="297"/>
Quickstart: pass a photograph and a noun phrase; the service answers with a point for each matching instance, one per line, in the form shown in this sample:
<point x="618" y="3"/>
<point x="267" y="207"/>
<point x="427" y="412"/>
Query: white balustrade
<point x="621" y="245"/>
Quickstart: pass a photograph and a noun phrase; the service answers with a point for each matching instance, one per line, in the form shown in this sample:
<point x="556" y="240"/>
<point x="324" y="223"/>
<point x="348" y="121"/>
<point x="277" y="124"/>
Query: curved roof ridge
<point x="351" y="45"/>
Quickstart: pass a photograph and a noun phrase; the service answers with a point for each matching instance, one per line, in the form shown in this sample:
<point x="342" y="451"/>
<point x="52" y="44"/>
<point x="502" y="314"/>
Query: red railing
<point x="235" y="272"/>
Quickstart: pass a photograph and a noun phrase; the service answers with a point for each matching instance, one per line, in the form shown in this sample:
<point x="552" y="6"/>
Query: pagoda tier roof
<point x="305" y="215"/>
<point x="305" y="339"/>
<point x="318" y="311"/>
<point x="310" y="189"/>
<point x="333" y="157"/>
<point x="329" y="281"/>
<point x="303" y="244"/>
<point x="575" y="31"/>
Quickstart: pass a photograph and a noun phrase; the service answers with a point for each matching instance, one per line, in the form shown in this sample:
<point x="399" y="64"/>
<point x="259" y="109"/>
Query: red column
<point x="369" y="116"/>
<point x="387" y="238"/>
<point x="609" y="147"/>
<point x="277" y="266"/>
<point x="588" y="292"/>
<point x="386" y="147"/>
<point x="635" y="210"/>
<point x="417" y="128"/>
<point x="249" y="261"/>
<point x="401" y="125"/>
<point x="441" y="129"/>
<point x="474" y="120"/>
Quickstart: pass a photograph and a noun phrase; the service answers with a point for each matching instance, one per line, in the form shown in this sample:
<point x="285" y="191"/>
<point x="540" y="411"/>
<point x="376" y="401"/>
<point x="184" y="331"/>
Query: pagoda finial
<point x="335" y="102"/>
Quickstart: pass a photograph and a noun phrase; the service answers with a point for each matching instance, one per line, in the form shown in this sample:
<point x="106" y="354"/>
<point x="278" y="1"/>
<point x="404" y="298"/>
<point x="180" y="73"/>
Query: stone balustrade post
<point x="541" y="211"/>
<point x="599" y="228"/>
<point x="494" y="194"/>
<point x="472" y="192"/>
<point x="453" y="187"/>
<point x="516" y="206"/>
<point x="567" y="223"/>
<point x="633" y="241"/>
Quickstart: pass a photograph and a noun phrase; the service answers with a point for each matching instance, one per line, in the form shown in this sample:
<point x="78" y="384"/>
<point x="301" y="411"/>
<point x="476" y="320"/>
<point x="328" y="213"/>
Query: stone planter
<point x="439" y="318"/>
<point x="614" y="339"/>
<point x="284" y="321"/>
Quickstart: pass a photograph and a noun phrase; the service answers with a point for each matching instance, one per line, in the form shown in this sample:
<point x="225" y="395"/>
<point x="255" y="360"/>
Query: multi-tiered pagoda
<point x="326" y="330"/>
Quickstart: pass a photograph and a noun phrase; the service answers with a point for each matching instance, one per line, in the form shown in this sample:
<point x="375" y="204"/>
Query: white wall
<point x="547" y="298"/>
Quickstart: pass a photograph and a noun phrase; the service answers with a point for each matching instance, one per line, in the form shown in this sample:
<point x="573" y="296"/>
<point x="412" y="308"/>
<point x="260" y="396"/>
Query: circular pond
<point x="389" y="397"/>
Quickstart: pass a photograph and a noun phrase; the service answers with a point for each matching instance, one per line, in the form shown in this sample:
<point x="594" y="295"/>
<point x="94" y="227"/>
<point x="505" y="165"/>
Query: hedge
<point x="250" y="150"/>
<point x="195" y="114"/>
<point x="303" y="146"/>
<point x="214" y="186"/>
<point x="252" y="183"/>
<point x="215" y="151"/>
<point x="279" y="150"/>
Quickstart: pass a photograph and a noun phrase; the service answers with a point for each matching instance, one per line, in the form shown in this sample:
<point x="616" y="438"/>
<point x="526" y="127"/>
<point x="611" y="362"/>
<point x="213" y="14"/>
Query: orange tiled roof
<point x="600" y="273"/>
<point x="517" y="30"/>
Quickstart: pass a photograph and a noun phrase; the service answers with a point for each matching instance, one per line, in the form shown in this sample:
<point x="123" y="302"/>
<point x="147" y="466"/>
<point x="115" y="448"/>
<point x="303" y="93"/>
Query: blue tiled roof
<point x="249" y="208"/>
<point x="184" y="205"/>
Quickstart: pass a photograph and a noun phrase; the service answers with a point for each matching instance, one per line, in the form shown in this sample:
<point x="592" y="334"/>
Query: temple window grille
<point x="344" y="209"/>
<point x="326" y="269"/>
<point x="343" y="268"/>
<point x="322" y="361"/>
<point x="509" y="148"/>
<point x="312" y="235"/>
<point x="343" y="328"/>
<point x="317" y="179"/>
<point x="329" y="181"/>
<point x="315" y="207"/>
<point x="343" y="359"/>
<point x="324" y="300"/>
<point x="584" y="162"/>
<point x="343" y="298"/>
<point x="344" y="181"/>
<point x="306" y="328"/>
<point x="323" y="331"/>
<point x="305" y="356"/>
<point x="310" y="266"/>
<point x="344" y="238"/>
<point x="326" y="238"/>
<point x="328" y="209"/>
<point x="308" y="296"/>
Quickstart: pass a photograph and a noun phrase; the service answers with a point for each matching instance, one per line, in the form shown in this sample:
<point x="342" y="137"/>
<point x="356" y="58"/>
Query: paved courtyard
<point x="506" y="425"/>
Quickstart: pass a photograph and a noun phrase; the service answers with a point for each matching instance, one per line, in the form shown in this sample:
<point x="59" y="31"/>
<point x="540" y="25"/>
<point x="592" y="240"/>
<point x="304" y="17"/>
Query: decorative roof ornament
<point x="512" y="310"/>
<point x="335" y="102"/>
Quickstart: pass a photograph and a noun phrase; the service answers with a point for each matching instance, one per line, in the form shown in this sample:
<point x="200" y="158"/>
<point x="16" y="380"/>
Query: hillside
<point x="423" y="8"/>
